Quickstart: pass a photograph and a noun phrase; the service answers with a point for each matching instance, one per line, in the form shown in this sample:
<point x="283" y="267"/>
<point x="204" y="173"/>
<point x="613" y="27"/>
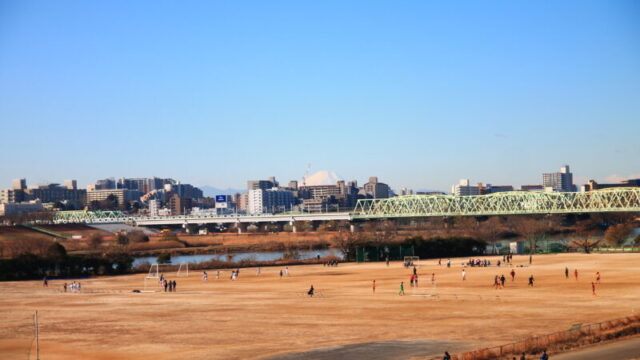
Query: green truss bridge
<point x="503" y="203"/>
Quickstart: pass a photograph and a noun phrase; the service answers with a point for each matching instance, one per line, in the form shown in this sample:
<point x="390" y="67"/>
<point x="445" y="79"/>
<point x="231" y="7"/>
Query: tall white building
<point x="154" y="207"/>
<point x="464" y="189"/>
<point x="268" y="201"/>
<point x="559" y="181"/>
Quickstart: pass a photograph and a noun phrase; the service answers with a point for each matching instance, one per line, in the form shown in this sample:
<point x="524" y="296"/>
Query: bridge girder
<point x="503" y="203"/>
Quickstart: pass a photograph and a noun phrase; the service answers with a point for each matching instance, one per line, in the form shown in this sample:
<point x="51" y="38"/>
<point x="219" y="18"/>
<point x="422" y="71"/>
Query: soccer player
<point x="566" y="272"/>
<point x="593" y="288"/>
<point x="401" y="288"/>
<point x="311" y="291"/>
<point x="433" y="278"/>
<point x="575" y="273"/>
<point x="464" y="275"/>
<point x="373" y="286"/>
<point x="531" y="280"/>
<point x="598" y="277"/>
<point x="513" y="275"/>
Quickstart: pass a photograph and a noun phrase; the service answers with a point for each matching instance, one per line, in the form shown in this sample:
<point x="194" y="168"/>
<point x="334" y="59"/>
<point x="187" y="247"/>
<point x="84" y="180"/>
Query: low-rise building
<point x="376" y="189"/>
<point x="122" y="195"/>
<point x="20" y="208"/>
<point x="464" y="189"/>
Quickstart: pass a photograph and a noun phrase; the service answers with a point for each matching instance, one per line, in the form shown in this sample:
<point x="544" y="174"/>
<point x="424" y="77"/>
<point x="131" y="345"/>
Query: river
<point x="237" y="257"/>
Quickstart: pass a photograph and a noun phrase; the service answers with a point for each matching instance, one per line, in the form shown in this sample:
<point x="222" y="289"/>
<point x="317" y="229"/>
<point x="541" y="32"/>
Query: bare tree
<point x="617" y="234"/>
<point x="382" y="232"/>
<point x="121" y="239"/>
<point x="348" y="242"/>
<point x="532" y="230"/>
<point x="585" y="239"/>
<point x="490" y="230"/>
<point x="138" y="236"/>
<point x="94" y="241"/>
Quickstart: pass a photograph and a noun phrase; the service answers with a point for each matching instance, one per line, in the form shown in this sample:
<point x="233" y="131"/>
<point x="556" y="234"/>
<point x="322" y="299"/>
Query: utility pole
<point x="37" y="337"/>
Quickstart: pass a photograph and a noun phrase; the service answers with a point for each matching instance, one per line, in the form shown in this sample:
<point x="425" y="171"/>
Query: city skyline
<point x="211" y="190"/>
<point x="420" y="95"/>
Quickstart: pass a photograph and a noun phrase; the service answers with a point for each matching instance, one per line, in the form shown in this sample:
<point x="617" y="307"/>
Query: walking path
<point x="619" y="350"/>
<point x="380" y="350"/>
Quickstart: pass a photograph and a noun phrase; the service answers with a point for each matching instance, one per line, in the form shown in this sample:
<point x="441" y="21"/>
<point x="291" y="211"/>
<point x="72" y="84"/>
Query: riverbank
<point x="185" y="244"/>
<point x="261" y="316"/>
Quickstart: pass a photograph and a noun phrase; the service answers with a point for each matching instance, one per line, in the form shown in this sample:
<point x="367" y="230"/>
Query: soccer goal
<point x="155" y="270"/>
<point x="183" y="270"/>
<point x="411" y="261"/>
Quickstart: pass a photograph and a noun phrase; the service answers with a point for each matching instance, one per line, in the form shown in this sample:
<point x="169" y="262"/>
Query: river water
<point x="237" y="257"/>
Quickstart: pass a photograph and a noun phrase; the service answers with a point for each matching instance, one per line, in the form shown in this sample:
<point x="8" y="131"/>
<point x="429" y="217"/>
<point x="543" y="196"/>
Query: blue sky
<point x="419" y="93"/>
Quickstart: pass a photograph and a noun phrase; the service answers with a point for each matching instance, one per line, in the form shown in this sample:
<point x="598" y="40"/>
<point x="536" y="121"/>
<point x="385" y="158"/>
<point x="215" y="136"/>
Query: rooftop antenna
<point x="306" y="175"/>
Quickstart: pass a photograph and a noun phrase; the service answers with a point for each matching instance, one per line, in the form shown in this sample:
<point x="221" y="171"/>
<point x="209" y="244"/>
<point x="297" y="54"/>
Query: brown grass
<point x="264" y="315"/>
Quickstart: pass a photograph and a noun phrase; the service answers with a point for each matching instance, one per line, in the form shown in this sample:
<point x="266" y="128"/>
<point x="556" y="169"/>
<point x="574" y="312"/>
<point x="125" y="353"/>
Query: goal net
<point x="411" y="260"/>
<point x="183" y="270"/>
<point x="156" y="270"/>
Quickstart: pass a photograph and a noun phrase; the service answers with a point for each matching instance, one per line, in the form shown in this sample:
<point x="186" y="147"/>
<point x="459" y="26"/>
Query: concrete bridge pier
<point x="190" y="228"/>
<point x="293" y="226"/>
<point x="241" y="227"/>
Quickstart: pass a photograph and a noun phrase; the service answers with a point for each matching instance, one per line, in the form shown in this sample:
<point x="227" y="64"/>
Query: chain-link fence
<point x="577" y="335"/>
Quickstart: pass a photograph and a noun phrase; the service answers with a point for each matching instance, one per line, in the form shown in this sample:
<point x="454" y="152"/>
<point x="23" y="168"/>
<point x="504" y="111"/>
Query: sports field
<point x="268" y="316"/>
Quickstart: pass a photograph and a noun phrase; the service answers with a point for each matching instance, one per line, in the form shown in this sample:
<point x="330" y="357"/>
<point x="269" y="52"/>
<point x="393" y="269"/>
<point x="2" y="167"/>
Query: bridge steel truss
<point x="503" y="203"/>
<point x="90" y="217"/>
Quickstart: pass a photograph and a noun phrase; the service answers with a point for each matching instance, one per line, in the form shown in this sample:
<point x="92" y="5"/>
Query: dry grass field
<point x="266" y="316"/>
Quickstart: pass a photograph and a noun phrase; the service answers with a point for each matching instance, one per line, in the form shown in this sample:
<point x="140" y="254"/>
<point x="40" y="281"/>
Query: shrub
<point x="164" y="258"/>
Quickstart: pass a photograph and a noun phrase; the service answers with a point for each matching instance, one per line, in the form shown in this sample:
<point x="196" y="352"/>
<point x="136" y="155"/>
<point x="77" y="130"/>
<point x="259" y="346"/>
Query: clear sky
<point x="419" y="93"/>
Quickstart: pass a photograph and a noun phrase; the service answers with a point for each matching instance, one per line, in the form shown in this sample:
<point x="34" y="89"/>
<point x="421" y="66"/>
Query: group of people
<point x="73" y="287"/>
<point x="408" y="264"/>
<point x="448" y="262"/>
<point x="168" y="285"/>
<point x="284" y="272"/>
<point x="498" y="281"/>
<point x="479" y="262"/>
<point x="331" y="263"/>
<point x="543" y="356"/>
<point x="234" y="274"/>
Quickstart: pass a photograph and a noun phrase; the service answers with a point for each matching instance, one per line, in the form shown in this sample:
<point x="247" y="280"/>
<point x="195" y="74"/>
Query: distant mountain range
<point x="428" y="191"/>
<point x="211" y="191"/>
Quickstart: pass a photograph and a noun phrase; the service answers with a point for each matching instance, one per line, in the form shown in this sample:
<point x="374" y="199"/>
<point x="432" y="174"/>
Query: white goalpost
<point x="156" y="270"/>
<point x="183" y="270"/>
<point x="411" y="260"/>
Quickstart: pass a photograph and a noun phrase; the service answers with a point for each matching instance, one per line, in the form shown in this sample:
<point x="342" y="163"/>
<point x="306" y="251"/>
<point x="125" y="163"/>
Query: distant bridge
<point x="504" y="203"/>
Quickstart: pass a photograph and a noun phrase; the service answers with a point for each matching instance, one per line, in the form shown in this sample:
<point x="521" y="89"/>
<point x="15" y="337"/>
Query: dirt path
<point x="382" y="350"/>
<point x="620" y="350"/>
